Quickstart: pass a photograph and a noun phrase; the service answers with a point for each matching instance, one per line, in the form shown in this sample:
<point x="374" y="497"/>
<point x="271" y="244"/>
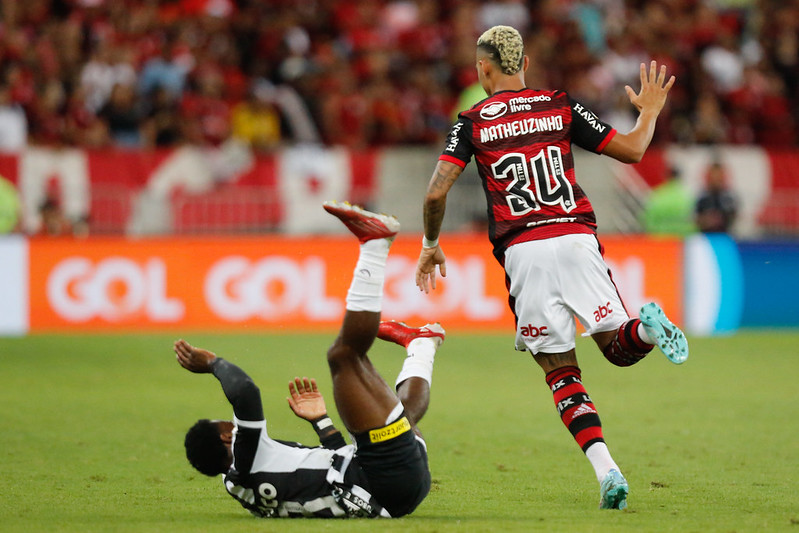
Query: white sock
<point x="644" y="335"/>
<point x="394" y="415"/>
<point x="366" y="288"/>
<point x="600" y="458"/>
<point x="419" y="362"/>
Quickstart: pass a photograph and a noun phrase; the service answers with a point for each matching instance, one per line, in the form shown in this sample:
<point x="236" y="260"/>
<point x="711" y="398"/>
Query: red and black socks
<point x="627" y="348"/>
<point x="575" y="407"/>
<point x="579" y="415"/>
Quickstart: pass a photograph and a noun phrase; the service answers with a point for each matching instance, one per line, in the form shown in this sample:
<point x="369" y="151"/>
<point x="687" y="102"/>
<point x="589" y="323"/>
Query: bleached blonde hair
<point x="504" y="45"/>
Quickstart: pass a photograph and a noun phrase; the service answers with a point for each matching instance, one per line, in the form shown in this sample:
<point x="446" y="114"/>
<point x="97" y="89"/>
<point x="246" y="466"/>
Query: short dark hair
<point x="205" y="450"/>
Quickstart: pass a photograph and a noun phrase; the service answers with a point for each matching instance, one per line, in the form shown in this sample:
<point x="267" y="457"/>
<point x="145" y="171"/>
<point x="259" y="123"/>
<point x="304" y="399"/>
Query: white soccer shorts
<point x="554" y="280"/>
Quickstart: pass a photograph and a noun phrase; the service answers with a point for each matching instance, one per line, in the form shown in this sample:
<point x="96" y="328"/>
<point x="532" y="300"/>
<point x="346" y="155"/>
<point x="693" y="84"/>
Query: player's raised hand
<point x="654" y="88"/>
<point x="305" y="399"/>
<point x="193" y="359"/>
<point x="426" y="268"/>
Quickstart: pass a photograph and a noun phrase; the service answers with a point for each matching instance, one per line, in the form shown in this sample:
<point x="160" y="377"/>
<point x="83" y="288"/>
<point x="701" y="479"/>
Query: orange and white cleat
<point x="402" y="334"/>
<point x="364" y="224"/>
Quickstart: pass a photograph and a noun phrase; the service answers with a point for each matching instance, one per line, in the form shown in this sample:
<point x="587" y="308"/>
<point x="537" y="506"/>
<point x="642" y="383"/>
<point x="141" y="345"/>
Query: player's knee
<point x="339" y="355"/>
<point x="552" y="361"/>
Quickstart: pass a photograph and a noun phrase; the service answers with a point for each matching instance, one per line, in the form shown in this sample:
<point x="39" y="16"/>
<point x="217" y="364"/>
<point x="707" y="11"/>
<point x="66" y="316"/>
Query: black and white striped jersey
<point x="273" y="478"/>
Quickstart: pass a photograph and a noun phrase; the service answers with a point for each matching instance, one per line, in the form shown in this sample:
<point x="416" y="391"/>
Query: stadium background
<point x="143" y="119"/>
<point x="350" y="99"/>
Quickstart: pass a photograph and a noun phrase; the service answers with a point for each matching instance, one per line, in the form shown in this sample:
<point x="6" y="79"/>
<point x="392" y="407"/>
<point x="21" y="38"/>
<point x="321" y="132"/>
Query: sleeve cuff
<point x="606" y="140"/>
<point x="453" y="160"/>
<point x="253" y="424"/>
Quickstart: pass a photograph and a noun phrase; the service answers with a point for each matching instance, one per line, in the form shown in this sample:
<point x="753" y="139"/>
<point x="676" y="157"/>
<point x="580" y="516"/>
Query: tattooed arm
<point x="435" y="203"/>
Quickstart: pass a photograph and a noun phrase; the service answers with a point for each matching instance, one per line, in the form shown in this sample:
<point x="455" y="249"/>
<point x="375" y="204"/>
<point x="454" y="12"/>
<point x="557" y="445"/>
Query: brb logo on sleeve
<point x="493" y="110"/>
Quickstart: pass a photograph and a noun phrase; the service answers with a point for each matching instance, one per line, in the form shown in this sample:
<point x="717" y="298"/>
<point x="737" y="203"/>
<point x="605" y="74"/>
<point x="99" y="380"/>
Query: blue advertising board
<point x="731" y="284"/>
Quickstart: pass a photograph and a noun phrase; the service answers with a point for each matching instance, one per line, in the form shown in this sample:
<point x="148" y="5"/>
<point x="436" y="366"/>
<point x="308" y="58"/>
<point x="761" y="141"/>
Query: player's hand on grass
<point x="194" y="359"/>
<point x="306" y="401"/>
<point x="654" y="89"/>
<point x="426" y="268"/>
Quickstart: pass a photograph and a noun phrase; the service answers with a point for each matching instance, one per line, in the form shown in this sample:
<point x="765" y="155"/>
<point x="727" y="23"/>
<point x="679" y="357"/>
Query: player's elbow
<point x="435" y="198"/>
<point x="631" y="157"/>
<point x="624" y="153"/>
<point x="629" y="148"/>
<point x="247" y="392"/>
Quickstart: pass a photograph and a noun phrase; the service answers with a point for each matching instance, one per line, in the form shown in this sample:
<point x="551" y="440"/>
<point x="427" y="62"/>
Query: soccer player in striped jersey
<point x="385" y="473"/>
<point x="543" y="229"/>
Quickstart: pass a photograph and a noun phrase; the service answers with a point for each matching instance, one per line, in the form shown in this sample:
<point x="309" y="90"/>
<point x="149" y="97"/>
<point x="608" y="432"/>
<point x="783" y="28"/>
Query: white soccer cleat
<point x="362" y="223"/>
<point x="402" y="334"/>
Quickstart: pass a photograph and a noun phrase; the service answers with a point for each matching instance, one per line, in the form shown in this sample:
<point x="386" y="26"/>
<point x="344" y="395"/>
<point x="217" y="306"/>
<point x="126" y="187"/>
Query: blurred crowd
<point x="148" y="73"/>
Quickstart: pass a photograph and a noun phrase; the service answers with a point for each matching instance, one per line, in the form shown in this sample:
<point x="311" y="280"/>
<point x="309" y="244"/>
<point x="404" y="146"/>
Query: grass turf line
<point x="93" y="429"/>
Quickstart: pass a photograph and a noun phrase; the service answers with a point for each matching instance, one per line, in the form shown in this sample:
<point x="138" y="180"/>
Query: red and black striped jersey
<point x="521" y="141"/>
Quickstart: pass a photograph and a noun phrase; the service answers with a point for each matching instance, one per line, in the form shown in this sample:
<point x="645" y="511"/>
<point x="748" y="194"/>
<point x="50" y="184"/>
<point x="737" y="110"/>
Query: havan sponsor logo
<point x="589" y="117"/>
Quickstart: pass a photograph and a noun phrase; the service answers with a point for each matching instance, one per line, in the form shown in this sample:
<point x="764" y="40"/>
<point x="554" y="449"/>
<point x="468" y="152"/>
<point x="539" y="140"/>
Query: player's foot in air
<point x="362" y="223"/>
<point x="667" y="336"/>
<point x="613" y="491"/>
<point x="402" y="334"/>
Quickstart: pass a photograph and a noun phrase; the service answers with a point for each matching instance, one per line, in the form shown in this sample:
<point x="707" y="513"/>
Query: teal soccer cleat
<point x="668" y="337"/>
<point x="613" y="491"/>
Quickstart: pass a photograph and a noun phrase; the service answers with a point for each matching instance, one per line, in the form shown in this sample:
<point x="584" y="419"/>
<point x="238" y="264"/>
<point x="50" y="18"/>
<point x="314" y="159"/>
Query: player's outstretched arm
<point x="307" y="402"/>
<point x="240" y="390"/>
<point x="194" y="359"/>
<point x="435" y="203"/>
<point x="649" y="101"/>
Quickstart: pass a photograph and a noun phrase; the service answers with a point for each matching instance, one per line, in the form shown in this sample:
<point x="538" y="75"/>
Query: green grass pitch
<point x="92" y="436"/>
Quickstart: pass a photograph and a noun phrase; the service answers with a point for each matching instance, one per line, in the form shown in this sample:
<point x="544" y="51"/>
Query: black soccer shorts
<point x="394" y="461"/>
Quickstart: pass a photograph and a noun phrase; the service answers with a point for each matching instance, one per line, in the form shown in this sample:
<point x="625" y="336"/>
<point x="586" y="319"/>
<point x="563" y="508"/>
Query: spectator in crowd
<point x="54" y="223"/>
<point x="164" y="72"/>
<point x="13" y="123"/>
<point x="669" y="209"/>
<point x="101" y="74"/>
<point x="162" y="126"/>
<point x="346" y="64"/>
<point x="47" y="117"/>
<point x="83" y="126"/>
<point x="256" y="122"/>
<point x="296" y="119"/>
<point x="710" y="125"/>
<point x="717" y="206"/>
<point x="724" y="63"/>
<point x="124" y="115"/>
<point x="9" y="206"/>
<point x="205" y="110"/>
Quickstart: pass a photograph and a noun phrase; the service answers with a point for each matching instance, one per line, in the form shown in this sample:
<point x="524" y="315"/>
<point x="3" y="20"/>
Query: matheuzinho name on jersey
<point x="521" y="127"/>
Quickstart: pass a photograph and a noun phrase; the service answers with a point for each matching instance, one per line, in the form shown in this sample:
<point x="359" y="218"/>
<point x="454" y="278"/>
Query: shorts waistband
<point x="385" y="433"/>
